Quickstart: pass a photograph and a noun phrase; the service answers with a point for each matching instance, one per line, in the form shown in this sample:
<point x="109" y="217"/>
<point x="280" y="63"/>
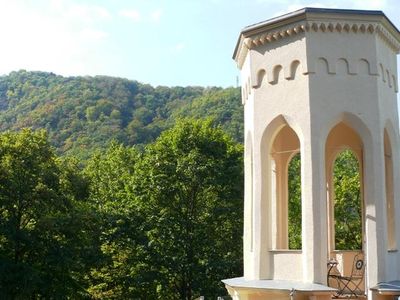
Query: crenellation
<point x="346" y="101"/>
<point x="294" y="66"/>
<point x="364" y="67"/>
<point x="395" y="84"/>
<point x="383" y="76"/>
<point x="340" y="66"/>
<point x="388" y="78"/>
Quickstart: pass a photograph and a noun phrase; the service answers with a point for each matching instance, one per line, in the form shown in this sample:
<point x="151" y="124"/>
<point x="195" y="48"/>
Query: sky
<point x="159" y="42"/>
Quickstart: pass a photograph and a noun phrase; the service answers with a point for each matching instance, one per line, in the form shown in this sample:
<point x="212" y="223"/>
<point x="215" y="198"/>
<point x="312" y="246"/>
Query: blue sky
<point x="160" y="42"/>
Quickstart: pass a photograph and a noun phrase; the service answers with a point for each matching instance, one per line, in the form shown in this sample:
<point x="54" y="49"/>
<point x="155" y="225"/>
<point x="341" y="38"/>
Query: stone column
<point x="314" y="212"/>
<point x="375" y="208"/>
<point x="262" y="210"/>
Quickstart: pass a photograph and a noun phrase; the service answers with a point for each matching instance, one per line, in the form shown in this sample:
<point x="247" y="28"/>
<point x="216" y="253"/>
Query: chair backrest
<point x="358" y="265"/>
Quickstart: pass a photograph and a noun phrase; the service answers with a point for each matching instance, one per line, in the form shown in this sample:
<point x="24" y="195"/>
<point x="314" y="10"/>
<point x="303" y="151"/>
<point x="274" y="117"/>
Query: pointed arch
<point x="355" y="123"/>
<point x="347" y="132"/>
<point x="280" y="142"/>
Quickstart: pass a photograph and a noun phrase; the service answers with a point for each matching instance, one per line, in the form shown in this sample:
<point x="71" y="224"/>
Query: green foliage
<point x="348" y="229"/>
<point x="189" y="184"/>
<point x="83" y="114"/>
<point x="223" y="106"/>
<point x="294" y="202"/>
<point x="122" y="270"/>
<point x="164" y="223"/>
<point x="38" y="242"/>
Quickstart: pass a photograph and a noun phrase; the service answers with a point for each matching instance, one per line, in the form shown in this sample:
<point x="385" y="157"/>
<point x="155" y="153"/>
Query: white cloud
<point x="137" y="16"/>
<point x="83" y="12"/>
<point x="132" y="14"/>
<point x="93" y="34"/>
<point x="178" y="48"/>
<point x="156" y="15"/>
<point x="51" y="38"/>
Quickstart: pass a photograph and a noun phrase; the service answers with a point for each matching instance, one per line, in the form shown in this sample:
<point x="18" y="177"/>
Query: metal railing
<point x="218" y="298"/>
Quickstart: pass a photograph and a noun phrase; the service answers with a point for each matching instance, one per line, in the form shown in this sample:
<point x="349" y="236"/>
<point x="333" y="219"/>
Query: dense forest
<point x="113" y="189"/>
<point x="81" y="114"/>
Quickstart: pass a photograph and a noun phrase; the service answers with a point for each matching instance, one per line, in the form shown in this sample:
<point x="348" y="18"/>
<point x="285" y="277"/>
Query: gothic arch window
<point x="344" y="154"/>
<point x="286" y="195"/>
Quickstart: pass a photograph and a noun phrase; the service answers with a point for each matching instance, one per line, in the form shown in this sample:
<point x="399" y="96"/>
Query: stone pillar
<point x="281" y="211"/>
<point x="262" y="211"/>
<point x="314" y="237"/>
<point x="375" y="210"/>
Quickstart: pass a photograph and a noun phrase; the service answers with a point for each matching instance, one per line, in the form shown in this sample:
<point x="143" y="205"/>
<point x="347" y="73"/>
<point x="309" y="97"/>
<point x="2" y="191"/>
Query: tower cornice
<point x="317" y="20"/>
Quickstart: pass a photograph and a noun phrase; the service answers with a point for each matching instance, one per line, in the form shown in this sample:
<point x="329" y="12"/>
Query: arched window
<point x="347" y="205"/>
<point x="344" y="152"/>
<point x="285" y="189"/>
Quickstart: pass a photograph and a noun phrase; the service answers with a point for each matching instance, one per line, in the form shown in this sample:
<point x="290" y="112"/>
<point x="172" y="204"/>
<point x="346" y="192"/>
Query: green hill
<point x="81" y="114"/>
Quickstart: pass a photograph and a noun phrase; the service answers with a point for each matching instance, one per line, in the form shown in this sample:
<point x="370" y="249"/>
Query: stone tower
<point x="315" y="82"/>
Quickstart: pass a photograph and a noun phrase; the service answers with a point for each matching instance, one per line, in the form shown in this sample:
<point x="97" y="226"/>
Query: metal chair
<point x="350" y="286"/>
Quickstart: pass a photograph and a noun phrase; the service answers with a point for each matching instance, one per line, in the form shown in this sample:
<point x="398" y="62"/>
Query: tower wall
<point x="312" y="70"/>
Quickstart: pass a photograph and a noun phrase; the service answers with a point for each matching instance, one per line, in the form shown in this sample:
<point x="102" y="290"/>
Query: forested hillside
<point x="160" y="220"/>
<point x="81" y="114"/>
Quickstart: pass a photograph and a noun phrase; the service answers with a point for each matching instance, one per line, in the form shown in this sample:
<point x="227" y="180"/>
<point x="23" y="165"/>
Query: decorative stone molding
<point x="307" y="21"/>
<point x="356" y="67"/>
<point x="387" y="37"/>
<point x="325" y="27"/>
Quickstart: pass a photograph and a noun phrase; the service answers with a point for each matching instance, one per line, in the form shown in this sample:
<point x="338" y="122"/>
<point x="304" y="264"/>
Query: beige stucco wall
<point x="311" y="75"/>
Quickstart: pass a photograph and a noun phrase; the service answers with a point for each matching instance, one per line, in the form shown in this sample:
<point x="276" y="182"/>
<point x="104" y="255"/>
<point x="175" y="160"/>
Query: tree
<point x="294" y="202"/>
<point x="122" y="270"/>
<point x="348" y="228"/>
<point x="347" y="209"/>
<point x="190" y="186"/>
<point x="38" y="244"/>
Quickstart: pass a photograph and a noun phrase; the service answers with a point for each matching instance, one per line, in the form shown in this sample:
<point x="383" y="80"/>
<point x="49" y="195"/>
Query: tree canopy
<point x="163" y="222"/>
<point x="190" y="184"/>
<point x="108" y="196"/>
<point x="84" y="114"/>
